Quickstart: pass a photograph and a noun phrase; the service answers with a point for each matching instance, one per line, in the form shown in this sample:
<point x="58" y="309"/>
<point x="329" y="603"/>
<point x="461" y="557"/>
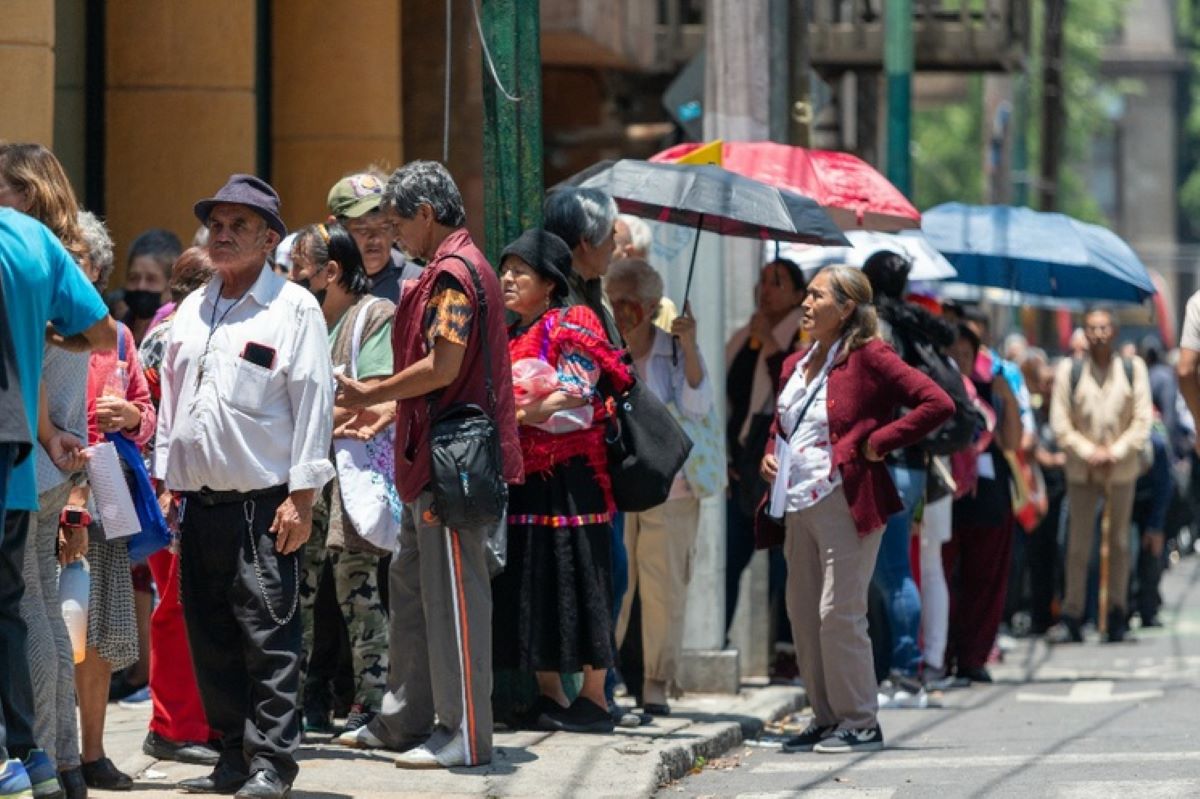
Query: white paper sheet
<point x="779" y="488"/>
<point x="110" y="493"/>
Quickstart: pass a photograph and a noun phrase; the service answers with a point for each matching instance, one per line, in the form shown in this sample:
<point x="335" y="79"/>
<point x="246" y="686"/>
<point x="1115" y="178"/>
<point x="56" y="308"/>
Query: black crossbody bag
<point x="466" y="471"/>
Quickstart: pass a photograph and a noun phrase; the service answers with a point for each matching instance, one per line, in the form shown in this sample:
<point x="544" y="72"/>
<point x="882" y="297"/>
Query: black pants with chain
<point x="247" y="662"/>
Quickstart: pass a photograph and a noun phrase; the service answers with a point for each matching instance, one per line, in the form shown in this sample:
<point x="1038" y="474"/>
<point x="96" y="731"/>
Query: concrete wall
<point x="180" y="108"/>
<point x="335" y="105"/>
<point x="27" y="64"/>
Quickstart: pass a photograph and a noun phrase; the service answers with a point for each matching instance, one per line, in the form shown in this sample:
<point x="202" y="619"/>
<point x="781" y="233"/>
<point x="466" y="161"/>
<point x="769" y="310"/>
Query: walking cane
<point x="1105" y="526"/>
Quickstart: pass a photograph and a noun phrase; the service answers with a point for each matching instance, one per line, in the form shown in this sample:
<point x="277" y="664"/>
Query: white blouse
<point x="811" y="476"/>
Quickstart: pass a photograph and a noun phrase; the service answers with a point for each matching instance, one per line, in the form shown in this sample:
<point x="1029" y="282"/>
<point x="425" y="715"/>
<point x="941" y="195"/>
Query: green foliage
<point x="948" y="141"/>
<point x="1189" y="157"/>
<point x="946" y="151"/>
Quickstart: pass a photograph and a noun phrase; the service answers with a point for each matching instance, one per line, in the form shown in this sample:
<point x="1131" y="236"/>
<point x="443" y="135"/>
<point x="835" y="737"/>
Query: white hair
<point x="646" y="283"/>
<point x="99" y="244"/>
<point x="640" y="235"/>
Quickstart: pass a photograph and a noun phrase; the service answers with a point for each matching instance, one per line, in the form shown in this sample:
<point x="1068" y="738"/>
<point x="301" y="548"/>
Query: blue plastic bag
<point x="154" y="534"/>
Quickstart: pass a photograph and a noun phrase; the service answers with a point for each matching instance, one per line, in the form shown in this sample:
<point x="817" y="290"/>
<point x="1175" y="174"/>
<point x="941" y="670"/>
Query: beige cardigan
<point x="1105" y="410"/>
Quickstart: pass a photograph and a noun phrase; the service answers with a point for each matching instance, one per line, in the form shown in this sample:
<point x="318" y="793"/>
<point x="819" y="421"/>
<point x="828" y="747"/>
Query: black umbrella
<point x="707" y="197"/>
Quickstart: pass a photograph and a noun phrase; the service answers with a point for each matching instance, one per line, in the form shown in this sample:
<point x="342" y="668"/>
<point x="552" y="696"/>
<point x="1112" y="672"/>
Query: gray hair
<point x="429" y="183"/>
<point x="646" y="283"/>
<point x="576" y="215"/>
<point x="640" y="236"/>
<point x="100" y="246"/>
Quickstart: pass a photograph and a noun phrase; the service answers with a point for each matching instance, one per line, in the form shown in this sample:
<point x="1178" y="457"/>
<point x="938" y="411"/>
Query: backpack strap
<point x="121" y="331"/>
<point x="1076" y="373"/>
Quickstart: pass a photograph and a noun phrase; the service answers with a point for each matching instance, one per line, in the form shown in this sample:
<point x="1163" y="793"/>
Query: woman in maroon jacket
<point x="835" y="420"/>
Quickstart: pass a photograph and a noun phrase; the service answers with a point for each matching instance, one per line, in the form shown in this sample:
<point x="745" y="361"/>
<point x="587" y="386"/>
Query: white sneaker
<point x="451" y="755"/>
<point x="362" y="738"/>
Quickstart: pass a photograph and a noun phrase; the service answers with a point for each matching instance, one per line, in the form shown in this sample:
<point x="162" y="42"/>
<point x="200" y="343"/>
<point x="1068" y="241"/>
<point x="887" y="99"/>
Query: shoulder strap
<point x="1128" y="364"/>
<point x="1076" y="373"/>
<point x="484" y="336"/>
<point x="121" y="331"/>
<point x="360" y="322"/>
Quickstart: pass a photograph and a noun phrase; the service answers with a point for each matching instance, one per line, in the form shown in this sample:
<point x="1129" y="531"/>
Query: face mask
<point x="320" y="295"/>
<point x="142" y="304"/>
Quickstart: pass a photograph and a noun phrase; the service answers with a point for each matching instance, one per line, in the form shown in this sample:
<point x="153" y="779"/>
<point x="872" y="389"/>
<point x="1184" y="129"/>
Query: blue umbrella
<point x="1037" y="253"/>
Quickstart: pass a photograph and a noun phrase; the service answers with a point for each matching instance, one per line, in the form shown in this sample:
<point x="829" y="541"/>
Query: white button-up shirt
<point x="230" y="425"/>
<point x="811" y="477"/>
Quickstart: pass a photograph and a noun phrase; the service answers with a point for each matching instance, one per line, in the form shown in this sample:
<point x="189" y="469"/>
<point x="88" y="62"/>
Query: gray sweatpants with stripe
<point x="440" y="640"/>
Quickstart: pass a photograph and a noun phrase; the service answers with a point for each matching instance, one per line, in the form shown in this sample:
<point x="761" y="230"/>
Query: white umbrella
<point x="927" y="263"/>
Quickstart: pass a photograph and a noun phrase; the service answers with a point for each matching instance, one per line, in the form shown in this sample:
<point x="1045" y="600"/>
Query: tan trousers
<point x="829" y="570"/>
<point x="661" y="543"/>
<point x="1083" y="501"/>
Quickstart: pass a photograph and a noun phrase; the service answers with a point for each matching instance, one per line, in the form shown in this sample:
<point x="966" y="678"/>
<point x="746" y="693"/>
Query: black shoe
<point x="849" y="741"/>
<point x="813" y="734"/>
<point x="541" y="706"/>
<point x="104" y="775"/>
<point x="265" y="784"/>
<point x="656" y="709"/>
<point x="359" y="717"/>
<point x="72" y="782"/>
<point x="223" y="779"/>
<point x="1118" y="626"/>
<point x="975" y="674"/>
<point x="162" y="748"/>
<point x="583" y="715"/>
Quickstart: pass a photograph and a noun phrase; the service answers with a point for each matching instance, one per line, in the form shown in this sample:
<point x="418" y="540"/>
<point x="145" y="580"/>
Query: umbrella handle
<point x="687" y="291"/>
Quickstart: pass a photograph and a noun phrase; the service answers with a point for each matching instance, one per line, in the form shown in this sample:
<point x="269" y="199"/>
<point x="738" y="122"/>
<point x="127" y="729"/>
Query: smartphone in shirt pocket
<point x="252" y="373"/>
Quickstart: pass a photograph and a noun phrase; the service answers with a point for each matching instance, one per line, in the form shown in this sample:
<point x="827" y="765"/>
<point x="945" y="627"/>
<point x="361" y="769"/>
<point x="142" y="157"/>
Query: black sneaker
<point x="849" y="741"/>
<point x="813" y="734"/>
<point x="359" y="716"/>
<point x="583" y="715"/>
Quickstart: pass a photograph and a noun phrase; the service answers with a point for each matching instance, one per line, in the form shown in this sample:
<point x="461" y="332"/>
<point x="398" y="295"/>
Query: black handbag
<point x="646" y="449"/>
<point x="466" y="469"/>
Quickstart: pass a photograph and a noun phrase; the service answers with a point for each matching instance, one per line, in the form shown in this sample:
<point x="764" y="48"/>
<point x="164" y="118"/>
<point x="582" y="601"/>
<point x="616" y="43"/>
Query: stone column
<point x="180" y="108"/>
<point x="336" y="97"/>
<point x="27" y="63"/>
<point x="736" y="107"/>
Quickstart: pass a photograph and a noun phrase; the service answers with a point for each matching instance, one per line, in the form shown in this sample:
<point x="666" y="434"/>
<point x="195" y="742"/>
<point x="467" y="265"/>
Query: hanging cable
<point x="446" y="94"/>
<point x="487" y="55"/>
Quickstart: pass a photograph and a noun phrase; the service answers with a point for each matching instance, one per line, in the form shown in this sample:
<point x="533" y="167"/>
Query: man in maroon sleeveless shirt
<point x="438" y="706"/>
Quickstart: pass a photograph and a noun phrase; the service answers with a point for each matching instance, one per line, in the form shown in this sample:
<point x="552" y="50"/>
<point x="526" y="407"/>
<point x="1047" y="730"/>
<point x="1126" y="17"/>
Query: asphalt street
<point x="1077" y="721"/>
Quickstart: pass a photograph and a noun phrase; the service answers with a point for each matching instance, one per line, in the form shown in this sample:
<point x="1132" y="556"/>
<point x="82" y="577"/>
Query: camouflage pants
<point x="356" y="581"/>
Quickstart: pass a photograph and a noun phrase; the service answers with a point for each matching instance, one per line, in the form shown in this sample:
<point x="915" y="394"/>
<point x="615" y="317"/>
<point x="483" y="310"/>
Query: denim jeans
<point x="893" y="572"/>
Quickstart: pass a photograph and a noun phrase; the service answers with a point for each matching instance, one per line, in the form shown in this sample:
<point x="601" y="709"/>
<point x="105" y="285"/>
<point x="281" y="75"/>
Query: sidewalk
<point x="628" y="763"/>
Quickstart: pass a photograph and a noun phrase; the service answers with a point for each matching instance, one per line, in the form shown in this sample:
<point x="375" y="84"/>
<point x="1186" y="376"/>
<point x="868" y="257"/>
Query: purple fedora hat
<point x="250" y="191"/>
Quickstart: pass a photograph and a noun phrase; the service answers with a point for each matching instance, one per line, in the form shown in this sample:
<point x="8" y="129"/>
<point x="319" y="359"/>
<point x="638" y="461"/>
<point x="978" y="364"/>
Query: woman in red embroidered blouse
<point x="553" y="603"/>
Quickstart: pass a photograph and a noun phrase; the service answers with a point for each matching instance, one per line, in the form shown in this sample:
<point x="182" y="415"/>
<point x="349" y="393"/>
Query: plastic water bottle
<point x="74" y="584"/>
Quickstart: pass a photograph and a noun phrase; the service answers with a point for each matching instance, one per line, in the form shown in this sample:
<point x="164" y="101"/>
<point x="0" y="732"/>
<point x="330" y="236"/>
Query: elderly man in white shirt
<point x="243" y="441"/>
<point x="661" y="541"/>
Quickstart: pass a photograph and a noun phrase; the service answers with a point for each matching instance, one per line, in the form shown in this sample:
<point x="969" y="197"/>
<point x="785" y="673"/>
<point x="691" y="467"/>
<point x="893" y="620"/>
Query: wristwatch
<point x="72" y="516"/>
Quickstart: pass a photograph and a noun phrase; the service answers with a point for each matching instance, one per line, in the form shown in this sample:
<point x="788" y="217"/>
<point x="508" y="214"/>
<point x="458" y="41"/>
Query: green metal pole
<point x="512" y="195"/>
<point x="898" y="66"/>
<point x="512" y="130"/>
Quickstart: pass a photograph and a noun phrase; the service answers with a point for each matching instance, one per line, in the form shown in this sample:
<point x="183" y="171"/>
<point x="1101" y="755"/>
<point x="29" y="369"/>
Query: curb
<point x="716" y="738"/>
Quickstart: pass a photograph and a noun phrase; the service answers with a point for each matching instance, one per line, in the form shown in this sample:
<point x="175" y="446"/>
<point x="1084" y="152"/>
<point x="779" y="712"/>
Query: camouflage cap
<point x="355" y="195"/>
